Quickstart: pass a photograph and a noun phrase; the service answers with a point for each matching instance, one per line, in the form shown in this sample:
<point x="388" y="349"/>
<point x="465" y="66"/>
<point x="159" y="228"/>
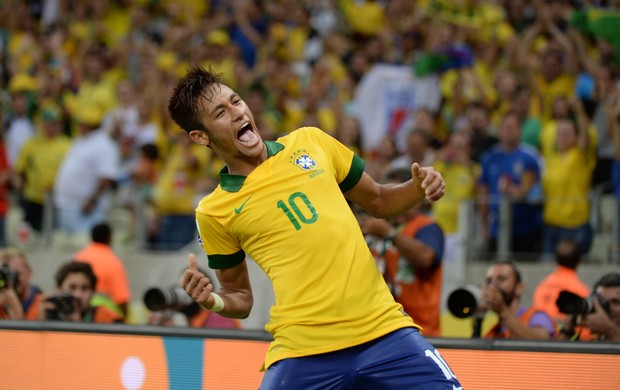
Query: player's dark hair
<point x="183" y="106"/>
<point x="76" y="267"/>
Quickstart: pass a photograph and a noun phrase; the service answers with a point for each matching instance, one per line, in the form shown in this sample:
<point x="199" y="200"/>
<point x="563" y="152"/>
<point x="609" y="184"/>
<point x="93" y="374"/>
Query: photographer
<point x="75" y="287"/>
<point x="599" y="314"/>
<point x="16" y="290"/>
<point x="10" y="306"/>
<point x="568" y="257"/>
<point x="502" y="294"/>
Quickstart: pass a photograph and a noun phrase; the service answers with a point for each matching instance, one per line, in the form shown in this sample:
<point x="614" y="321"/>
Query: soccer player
<point x="284" y="204"/>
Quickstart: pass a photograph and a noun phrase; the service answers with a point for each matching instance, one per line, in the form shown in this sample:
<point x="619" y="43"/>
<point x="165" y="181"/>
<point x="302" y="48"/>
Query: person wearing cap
<point x="84" y="185"/>
<point x="37" y="165"/>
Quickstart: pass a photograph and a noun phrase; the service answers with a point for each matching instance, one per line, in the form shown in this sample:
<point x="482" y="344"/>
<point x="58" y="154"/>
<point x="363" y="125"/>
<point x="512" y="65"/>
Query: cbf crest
<point x="303" y="160"/>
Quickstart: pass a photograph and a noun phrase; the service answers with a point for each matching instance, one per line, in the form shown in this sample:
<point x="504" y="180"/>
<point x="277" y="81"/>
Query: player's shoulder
<point x="308" y="131"/>
<point x="209" y="202"/>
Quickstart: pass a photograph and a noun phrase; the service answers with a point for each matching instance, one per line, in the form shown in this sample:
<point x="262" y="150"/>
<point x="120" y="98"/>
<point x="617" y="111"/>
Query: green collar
<point x="233" y="183"/>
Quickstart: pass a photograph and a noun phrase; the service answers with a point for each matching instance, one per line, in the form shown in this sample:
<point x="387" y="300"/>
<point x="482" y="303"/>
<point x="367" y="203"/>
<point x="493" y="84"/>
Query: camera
<point x="8" y="277"/>
<point x="175" y="298"/>
<point x="464" y="301"/>
<point x="572" y="304"/>
<point x="64" y="304"/>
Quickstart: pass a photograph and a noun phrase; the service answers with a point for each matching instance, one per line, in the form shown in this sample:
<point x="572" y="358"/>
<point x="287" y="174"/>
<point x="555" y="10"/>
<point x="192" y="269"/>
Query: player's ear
<point x="200" y="137"/>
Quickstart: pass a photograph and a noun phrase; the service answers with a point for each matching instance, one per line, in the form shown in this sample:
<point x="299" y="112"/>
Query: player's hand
<point x="197" y="285"/>
<point x="430" y="180"/>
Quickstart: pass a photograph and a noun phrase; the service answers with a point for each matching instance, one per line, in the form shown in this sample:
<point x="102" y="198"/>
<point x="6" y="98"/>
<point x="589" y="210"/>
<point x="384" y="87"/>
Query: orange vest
<point x="418" y="290"/>
<point x="496" y="332"/>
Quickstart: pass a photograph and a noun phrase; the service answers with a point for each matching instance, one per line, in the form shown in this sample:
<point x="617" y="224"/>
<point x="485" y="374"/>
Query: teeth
<point x="244" y="125"/>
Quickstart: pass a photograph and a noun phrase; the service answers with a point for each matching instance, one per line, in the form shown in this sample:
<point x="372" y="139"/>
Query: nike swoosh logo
<point x="240" y="208"/>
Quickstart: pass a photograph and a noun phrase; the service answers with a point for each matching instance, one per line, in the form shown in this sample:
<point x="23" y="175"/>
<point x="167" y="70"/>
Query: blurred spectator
<point x="531" y="126"/>
<point x="547" y="57"/>
<point x="566" y="184"/>
<point x="28" y="296"/>
<point x="501" y="294"/>
<point x="120" y="121"/>
<point x="417" y="149"/>
<point x="19" y="127"/>
<point x="511" y="170"/>
<point x="413" y="251"/>
<point x="38" y="164"/>
<point x="457" y="168"/>
<point x="109" y="269"/>
<point x="378" y="160"/>
<point x="477" y="121"/>
<point x="348" y="132"/>
<point x="176" y="192"/>
<point x="612" y="114"/>
<point x="84" y="185"/>
<point x="568" y="257"/>
<point x="267" y="119"/>
<point x="94" y="90"/>
<point x="75" y="287"/>
<point x="143" y="131"/>
<point x="250" y="29"/>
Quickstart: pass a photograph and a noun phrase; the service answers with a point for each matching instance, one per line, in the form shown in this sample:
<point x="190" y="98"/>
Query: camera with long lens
<point x="8" y="277"/>
<point x="572" y="304"/>
<point x="464" y="302"/>
<point x="64" y="304"/>
<point x="173" y="298"/>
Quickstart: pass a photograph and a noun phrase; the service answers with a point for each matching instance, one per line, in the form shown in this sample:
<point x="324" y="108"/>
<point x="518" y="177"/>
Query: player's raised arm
<point x="233" y="300"/>
<point x="386" y="200"/>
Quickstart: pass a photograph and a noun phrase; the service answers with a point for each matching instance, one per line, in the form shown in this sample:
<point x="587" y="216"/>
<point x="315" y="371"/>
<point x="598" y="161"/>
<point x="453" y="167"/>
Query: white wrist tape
<point x="218" y="306"/>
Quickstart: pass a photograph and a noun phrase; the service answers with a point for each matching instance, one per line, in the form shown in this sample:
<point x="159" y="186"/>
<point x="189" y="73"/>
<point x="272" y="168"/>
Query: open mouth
<point x="246" y="135"/>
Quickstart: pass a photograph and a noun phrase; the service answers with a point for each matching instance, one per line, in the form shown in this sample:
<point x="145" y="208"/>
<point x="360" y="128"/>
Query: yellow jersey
<point x="290" y="216"/>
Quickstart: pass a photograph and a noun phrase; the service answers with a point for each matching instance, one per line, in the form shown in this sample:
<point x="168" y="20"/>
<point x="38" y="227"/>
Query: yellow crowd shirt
<point x="39" y="161"/>
<point x="461" y="181"/>
<point x="290" y="216"/>
<point x="175" y="189"/>
<point x="566" y="187"/>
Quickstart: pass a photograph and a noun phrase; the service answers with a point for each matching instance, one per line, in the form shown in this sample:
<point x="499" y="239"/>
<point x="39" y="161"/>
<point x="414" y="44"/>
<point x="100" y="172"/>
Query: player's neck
<point x="244" y="166"/>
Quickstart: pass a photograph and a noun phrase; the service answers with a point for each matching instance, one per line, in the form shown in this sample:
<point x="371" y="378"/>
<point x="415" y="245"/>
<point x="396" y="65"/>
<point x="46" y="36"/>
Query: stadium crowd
<point x="510" y="100"/>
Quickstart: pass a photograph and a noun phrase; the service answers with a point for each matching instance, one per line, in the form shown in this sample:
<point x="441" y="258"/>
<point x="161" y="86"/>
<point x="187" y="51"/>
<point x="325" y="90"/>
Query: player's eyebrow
<point x="221" y="105"/>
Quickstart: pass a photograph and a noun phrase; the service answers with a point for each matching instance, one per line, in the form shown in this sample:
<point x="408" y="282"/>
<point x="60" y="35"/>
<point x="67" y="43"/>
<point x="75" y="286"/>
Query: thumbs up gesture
<point x="196" y="284"/>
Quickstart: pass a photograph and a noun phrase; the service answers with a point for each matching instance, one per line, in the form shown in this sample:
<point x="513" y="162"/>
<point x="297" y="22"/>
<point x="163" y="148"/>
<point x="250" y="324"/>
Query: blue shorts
<point x="400" y="360"/>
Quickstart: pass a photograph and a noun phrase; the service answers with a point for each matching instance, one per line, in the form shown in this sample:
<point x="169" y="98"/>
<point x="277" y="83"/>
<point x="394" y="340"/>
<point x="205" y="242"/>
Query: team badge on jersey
<point x="303" y="160"/>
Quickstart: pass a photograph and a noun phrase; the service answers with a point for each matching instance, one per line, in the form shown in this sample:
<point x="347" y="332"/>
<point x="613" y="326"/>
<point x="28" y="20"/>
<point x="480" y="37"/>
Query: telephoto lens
<point x="175" y="298"/>
<point x="463" y="302"/>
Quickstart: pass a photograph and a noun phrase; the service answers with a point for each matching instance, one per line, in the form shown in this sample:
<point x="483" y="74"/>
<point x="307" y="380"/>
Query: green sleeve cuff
<point x="226" y="261"/>
<point x="355" y="173"/>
